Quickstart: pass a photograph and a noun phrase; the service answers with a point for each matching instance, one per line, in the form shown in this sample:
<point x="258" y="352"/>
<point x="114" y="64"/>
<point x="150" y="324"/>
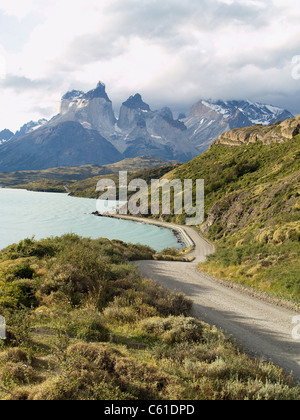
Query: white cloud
<point x="17" y="8"/>
<point x="171" y="51"/>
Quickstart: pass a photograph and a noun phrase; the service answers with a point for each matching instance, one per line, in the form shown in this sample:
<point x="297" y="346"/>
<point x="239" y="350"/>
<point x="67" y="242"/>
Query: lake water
<point x="24" y="214"/>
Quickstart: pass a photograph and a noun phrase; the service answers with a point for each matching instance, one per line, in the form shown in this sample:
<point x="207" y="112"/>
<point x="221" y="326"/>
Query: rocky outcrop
<point x="132" y="111"/>
<point x="30" y="127"/>
<point x="276" y="133"/>
<point x="92" y="109"/>
<point x="138" y="130"/>
<point x="209" y="119"/>
<point x="155" y="133"/>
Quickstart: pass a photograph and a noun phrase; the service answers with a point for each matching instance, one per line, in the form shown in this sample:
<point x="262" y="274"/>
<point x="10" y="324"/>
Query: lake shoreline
<point x="25" y="214"/>
<point x="178" y="231"/>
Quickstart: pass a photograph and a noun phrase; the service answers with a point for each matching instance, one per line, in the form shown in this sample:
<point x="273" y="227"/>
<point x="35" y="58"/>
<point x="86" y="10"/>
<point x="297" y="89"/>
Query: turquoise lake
<point x="25" y="214"/>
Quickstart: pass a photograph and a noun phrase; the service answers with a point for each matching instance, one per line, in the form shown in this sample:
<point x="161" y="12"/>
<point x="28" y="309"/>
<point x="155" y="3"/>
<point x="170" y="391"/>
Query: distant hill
<point x="55" y="179"/>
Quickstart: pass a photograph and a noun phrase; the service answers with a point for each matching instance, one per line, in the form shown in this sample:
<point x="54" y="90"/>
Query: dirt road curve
<point x="263" y="329"/>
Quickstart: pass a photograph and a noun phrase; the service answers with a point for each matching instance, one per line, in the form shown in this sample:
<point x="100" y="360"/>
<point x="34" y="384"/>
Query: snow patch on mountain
<point x="30" y="127"/>
<point x="209" y="119"/>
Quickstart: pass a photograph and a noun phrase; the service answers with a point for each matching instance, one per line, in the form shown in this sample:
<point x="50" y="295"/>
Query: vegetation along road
<point x="265" y="330"/>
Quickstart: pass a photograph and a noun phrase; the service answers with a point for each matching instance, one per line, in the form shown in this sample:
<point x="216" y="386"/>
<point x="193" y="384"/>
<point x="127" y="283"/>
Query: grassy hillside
<point x="82" y="324"/>
<point x="252" y="204"/>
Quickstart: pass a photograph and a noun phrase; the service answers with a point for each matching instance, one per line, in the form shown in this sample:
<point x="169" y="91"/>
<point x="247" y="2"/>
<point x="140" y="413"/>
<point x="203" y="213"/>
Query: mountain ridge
<point x="137" y="131"/>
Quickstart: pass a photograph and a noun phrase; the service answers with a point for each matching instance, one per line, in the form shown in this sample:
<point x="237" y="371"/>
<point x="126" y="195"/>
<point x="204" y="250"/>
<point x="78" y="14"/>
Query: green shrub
<point x="18" y="294"/>
<point x="174" y="329"/>
<point x="21" y="271"/>
<point x="88" y="325"/>
<point x="30" y="248"/>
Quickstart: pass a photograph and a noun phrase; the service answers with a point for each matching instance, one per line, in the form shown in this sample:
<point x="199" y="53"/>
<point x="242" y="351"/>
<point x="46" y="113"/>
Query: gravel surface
<point x="265" y="330"/>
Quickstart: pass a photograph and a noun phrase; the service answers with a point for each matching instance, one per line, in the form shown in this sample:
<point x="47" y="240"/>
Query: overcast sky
<point x="173" y="52"/>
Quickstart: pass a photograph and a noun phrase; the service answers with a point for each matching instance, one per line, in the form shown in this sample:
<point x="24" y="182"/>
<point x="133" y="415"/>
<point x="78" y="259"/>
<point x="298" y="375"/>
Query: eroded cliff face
<point x="276" y="133"/>
<point x="93" y="110"/>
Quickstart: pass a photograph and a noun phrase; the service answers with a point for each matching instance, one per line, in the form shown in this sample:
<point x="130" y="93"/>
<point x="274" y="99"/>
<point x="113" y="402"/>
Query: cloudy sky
<point x="173" y="52"/>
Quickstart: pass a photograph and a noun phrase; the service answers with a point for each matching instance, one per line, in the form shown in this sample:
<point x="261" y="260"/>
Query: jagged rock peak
<point x="167" y="115"/>
<point x="30" y="126"/>
<point x="6" y="134"/>
<point x="99" y="92"/>
<point x="136" y="102"/>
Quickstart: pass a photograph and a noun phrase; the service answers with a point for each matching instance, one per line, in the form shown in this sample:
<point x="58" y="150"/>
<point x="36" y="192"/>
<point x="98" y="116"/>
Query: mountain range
<point x="87" y="131"/>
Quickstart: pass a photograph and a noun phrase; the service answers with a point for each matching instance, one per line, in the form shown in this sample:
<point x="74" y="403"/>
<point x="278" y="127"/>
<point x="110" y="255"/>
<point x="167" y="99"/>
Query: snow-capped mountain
<point x="86" y="130"/>
<point x="137" y="131"/>
<point x="256" y="113"/>
<point x="209" y="119"/>
<point x="30" y="127"/>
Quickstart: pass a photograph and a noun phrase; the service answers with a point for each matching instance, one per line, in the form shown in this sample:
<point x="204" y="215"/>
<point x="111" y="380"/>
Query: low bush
<point x="173" y="330"/>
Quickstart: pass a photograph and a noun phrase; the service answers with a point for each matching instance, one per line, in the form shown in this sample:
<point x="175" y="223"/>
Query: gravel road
<point x="264" y="330"/>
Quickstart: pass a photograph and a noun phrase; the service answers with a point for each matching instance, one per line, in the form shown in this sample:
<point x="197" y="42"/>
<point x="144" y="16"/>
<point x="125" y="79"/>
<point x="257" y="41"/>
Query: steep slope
<point x="208" y="119"/>
<point x="63" y="144"/>
<point x="138" y="130"/>
<point x="252" y="208"/>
